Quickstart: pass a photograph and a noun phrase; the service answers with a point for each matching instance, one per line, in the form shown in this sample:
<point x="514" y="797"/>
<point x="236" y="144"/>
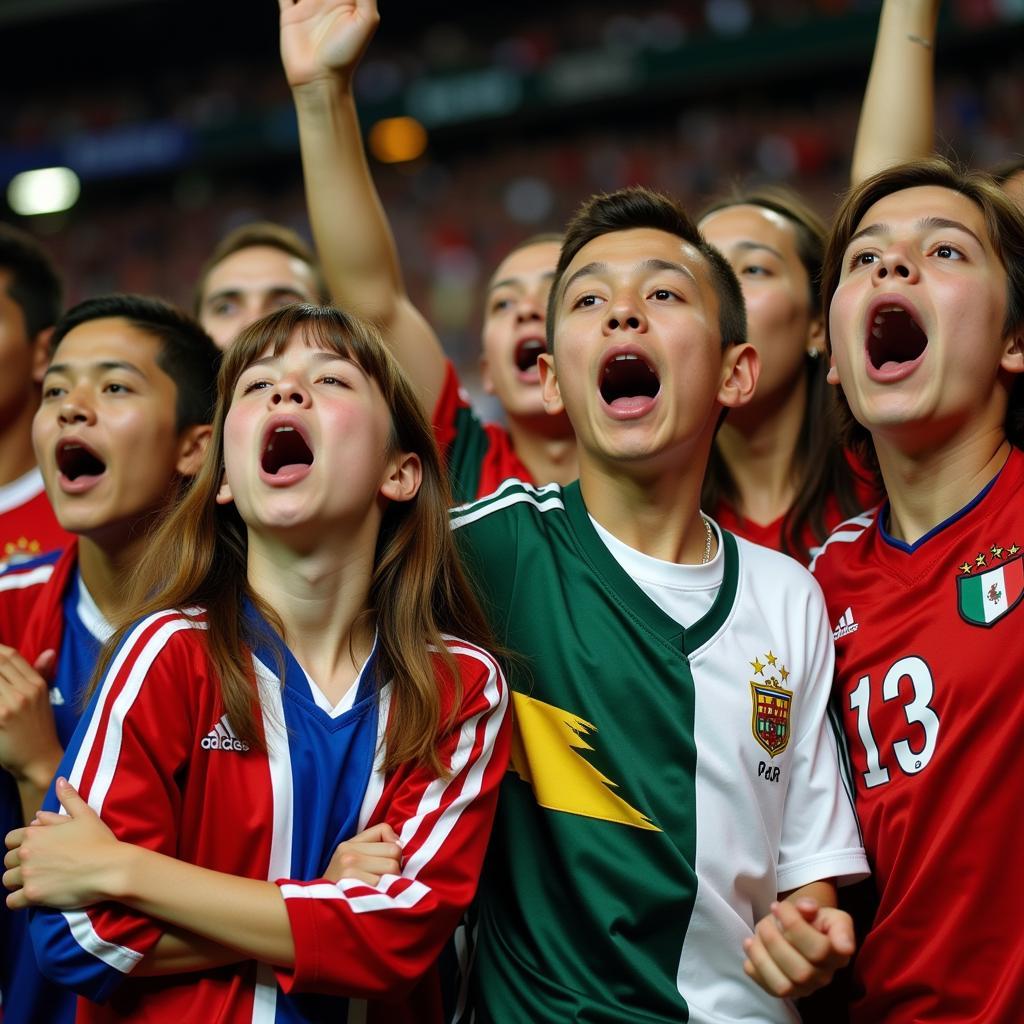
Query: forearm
<point x="823" y="892"/>
<point x="352" y="234"/>
<point x="897" y="120"/>
<point x="243" y="914"/>
<point x="179" y="951"/>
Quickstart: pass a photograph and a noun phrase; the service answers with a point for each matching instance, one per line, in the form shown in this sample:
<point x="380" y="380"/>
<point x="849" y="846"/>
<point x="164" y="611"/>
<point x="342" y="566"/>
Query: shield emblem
<point x="770" y="724"/>
<point x="984" y="599"/>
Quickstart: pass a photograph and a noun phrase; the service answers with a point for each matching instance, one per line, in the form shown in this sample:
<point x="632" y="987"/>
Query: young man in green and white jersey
<point x="675" y="797"/>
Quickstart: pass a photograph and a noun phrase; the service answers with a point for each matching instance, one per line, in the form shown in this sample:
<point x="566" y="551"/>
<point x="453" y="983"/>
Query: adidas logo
<point x="56" y="697"/>
<point x="846" y="624"/>
<point x="222" y="737"/>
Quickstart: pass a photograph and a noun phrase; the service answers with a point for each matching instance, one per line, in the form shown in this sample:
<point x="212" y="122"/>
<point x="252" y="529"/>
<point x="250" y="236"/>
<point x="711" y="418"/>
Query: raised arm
<point x="322" y="42"/>
<point x="897" y="120"/>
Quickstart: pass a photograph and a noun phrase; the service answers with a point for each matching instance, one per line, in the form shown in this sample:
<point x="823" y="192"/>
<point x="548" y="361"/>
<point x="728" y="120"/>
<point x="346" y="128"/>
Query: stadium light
<point x="47" y="190"/>
<point x="396" y="140"/>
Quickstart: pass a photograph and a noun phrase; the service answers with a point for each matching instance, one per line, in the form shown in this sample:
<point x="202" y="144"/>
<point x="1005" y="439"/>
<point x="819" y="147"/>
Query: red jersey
<point x="929" y="664"/>
<point x="156" y="757"/>
<point x="28" y="527"/>
<point x="479" y="455"/>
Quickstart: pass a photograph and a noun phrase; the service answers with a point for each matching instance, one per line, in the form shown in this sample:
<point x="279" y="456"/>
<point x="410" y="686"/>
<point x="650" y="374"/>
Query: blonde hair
<point x="417" y="591"/>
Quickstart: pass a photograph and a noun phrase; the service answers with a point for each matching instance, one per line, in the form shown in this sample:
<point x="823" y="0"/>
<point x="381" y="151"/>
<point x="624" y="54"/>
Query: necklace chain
<point x="707" y="540"/>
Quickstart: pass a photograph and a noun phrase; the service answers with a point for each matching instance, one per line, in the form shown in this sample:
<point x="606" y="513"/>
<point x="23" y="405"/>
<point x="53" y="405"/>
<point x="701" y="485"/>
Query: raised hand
<point x="324" y="39"/>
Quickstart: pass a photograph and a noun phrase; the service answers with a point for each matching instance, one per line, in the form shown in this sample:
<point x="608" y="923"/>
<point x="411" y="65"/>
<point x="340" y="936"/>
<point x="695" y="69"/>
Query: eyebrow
<point x="106" y="364"/>
<point x="321" y="355"/>
<point x="512" y="282"/>
<point x="751" y="246"/>
<point x="234" y="293"/>
<point x="591" y="269"/>
<point x="925" y="224"/>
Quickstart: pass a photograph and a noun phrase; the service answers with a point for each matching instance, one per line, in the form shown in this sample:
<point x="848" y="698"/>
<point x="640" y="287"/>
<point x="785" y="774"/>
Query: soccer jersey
<point x="770" y="535"/>
<point x="479" y="455"/>
<point x="43" y="605"/>
<point x="666" y="783"/>
<point x="930" y="657"/>
<point x="156" y="757"/>
<point x="28" y="527"/>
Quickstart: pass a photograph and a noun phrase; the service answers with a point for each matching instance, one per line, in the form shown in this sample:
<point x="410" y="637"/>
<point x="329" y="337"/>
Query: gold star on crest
<point x="1013" y="549"/>
<point x="757" y="666"/>
<point x="966" y="568"/>
<point x="771" y="659"/>
<point x="997" y="551"/>
<point x="784" y="672"/>
<point x="980" y="560"/>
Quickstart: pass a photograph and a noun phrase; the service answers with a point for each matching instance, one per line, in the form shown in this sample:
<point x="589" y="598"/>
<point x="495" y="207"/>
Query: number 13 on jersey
<point x="908" y="678"/>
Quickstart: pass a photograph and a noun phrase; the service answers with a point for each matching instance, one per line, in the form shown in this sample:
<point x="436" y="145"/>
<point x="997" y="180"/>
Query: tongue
<point x="630" y="403"/>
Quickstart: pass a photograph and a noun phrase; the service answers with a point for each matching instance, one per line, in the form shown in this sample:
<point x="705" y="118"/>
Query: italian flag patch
<point x="984" y="599"/>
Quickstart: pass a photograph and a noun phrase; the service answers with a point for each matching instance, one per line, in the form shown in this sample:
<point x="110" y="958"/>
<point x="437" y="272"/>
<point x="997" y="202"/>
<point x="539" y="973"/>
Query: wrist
<point x="39" y="772"/>
<point x="118" y="880"/>
<point x="323" y="91"/>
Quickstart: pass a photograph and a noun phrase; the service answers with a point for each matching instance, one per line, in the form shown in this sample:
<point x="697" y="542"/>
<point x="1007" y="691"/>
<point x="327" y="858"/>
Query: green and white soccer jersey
<point x="666" y="783"/>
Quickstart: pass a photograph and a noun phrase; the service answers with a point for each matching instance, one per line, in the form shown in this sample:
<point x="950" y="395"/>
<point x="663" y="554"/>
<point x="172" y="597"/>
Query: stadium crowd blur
<point x="474" y="191"/>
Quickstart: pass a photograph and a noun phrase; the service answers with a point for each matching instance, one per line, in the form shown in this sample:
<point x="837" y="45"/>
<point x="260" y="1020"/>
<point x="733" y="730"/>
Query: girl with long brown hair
<point x="289" y="679"/>
<point x="778" y="474"/>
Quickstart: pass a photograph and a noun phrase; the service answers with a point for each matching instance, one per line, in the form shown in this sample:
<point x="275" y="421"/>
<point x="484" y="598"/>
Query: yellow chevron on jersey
<point x="544" y="755"/>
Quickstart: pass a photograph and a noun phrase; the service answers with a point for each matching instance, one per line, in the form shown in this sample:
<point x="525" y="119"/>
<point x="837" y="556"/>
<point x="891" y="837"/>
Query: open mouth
<point x="285" y="449"/>
<point x="74" y="460"/>
<point x="894" y="337"/>
<point x="628" y="376"/>
<point x="528" y="351"/>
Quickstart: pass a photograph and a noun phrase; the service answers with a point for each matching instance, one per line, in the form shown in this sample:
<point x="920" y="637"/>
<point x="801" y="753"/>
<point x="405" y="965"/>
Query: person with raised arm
<point x="322" y="42"/>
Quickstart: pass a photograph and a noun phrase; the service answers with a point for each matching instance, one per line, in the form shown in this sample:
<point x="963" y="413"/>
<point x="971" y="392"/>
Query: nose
<point x="896" y="264"/>
<point x="74" y="409"/>
<point x="289" y="390"/>
<point x="529" y="308"/>
<point x="624" y="315"/>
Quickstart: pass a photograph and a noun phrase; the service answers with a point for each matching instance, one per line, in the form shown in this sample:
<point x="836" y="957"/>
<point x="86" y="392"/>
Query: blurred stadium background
<point x="176" y="119"/>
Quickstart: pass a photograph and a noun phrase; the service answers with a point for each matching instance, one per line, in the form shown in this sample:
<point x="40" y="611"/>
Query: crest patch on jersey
<point x="990" y="585"/>
<point x="772" y="703"/>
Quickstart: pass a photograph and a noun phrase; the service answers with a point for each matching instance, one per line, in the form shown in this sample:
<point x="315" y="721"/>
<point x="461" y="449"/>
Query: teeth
<point x="624" y="358"/>
<point x="283" y="430"/>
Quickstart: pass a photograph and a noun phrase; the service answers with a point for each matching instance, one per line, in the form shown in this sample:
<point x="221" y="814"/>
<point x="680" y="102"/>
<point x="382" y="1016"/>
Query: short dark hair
<point x="1004" y="223"/>
<point x="35" y="284"/>
<point x="187" y="353"/>
<point x="255" y="235"/>
<point x="639" y="207"/>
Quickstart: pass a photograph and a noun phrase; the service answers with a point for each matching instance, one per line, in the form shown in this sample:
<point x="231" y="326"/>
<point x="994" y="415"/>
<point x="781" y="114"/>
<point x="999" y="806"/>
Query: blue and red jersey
<point x="155" y="755"/>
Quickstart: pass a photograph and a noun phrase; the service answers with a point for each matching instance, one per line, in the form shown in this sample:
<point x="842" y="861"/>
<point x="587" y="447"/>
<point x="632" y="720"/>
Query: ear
<point x="833" y="374"/>
<point x="741" y="366"/>
<point x="405" y="474"/>
<point x="1013" y="353"/>
<point x="486" y="380"/>
<point x="41" y="354"/>
<point x="816" y="336"/>
<point x="549" y="389"/>
<point x="192" y="446"/>
<point x="224" y="495"/>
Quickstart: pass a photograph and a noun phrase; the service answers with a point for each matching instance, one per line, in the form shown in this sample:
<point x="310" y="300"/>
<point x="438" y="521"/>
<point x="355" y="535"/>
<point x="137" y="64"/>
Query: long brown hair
<point x="819" y="462"/>
<point x="417" y="591"/>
